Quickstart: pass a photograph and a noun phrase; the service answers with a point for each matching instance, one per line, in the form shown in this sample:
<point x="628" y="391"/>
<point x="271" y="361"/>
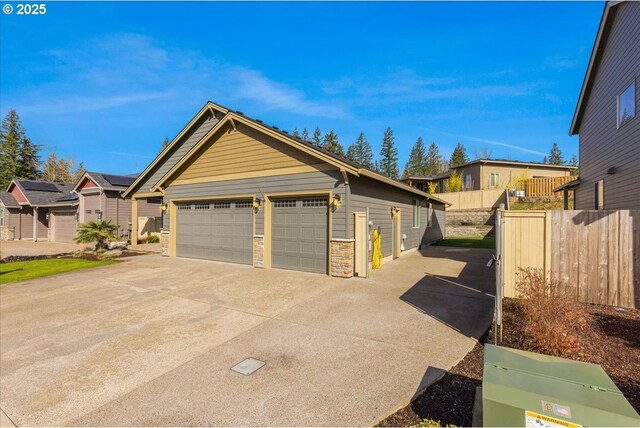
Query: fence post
<point x="498" y="263"/>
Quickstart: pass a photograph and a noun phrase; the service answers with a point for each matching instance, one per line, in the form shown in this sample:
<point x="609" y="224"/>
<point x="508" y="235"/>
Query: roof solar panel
<point x="119" y="180"/>
<point x="39" y="186"/>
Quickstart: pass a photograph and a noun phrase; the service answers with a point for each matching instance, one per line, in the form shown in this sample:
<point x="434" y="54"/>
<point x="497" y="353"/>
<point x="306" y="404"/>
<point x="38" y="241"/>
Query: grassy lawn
<point x="488" y="242"/>
<point x="20" y="271"/>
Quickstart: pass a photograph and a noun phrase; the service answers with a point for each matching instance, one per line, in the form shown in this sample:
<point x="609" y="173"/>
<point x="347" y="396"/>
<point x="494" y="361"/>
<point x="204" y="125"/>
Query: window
<point x="201" y="206"/>
<point x="416" y="213"/>
<point x="154" y="200"/>
<point x="467" y="182"/>
<point x="221" y="205"/>
<point x="284" y="203"/>
<point x="314" y="203"/>
<point x="244" y="204"/>
<point x="184" y="206"/>
<point x="599" y="195"/>
<point x="627" y="104"/>
<point x="430" y="215"/>
<point x="494" y="180"/>
<point x="1" y="216"/>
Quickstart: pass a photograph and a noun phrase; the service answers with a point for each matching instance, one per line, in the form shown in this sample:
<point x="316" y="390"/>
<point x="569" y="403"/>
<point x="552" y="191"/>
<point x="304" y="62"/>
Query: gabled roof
<point x="104" y="181"/>
<point x="236" y="117"/>
<point x="606" y="22"/>
<point x="8" y="200"/>
<point x="45" y="193"/>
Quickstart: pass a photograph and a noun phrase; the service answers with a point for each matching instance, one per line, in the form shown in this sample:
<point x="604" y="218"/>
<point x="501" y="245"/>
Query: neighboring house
<point x="484" y="174"/>
<point x="240" y="191"/>
<point x="606" y="114"/>
<point x="100" y="198"/>
<point x="40" y="210"/>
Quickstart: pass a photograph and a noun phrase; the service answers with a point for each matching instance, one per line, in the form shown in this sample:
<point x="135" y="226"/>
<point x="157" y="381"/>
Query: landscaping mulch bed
<point x="86" y="256"/>
<point x="613" y="341"/>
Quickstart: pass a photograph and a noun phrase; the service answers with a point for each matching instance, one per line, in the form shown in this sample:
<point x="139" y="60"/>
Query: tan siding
<point x="43" y="224"/>
<point x="242" y="151"/>
<point x="91" y="203"/>
<point x="602" y="144"/>
<point x="22" y="221"/>
<point x="509" y="174"/>
<point x="146" y="209"/>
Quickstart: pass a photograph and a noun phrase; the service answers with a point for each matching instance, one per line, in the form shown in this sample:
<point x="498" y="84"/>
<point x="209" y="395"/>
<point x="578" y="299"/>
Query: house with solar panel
<point x="100" y="198"/>
<point x="39" y="210"/>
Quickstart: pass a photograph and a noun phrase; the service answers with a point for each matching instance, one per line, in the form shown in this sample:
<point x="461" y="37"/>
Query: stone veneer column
<point x="258" y="251"/>
<point x="164" y="242"/>
<point x="342" y="257"/>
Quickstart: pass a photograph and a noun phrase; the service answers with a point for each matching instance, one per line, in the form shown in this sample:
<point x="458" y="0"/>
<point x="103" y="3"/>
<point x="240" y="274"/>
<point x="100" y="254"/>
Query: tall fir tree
<point x="555" y="156"/>
<point x="19" y="157"/>
<point x="165" y="143"/>
<point x="61" y="170"/>
<point x="305" y="134"/>
<point x="458" y="157"/>
<point x="416" y="163"/>
<point x="295" y="133"/>
<point x="317" y="137"/>
<point x="360" y="152"/>
<point x="433" y="160"/>
<point x="574" y="163"/>
<point x="28" y="160"/>
<point x="388" y="164"/>
<point x="330" y="143"/>
<point x="545" y="160"/>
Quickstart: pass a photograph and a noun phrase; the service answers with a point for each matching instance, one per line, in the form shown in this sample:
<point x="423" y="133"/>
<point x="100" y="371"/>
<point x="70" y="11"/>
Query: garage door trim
<point x="268" y="216"/>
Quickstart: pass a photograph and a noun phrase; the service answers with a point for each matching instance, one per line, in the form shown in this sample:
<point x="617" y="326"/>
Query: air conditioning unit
<point x="519" y="193"/>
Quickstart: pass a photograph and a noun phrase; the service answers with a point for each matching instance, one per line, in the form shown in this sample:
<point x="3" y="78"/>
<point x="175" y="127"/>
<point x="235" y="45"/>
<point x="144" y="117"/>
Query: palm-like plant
<point x="98" y="231"/>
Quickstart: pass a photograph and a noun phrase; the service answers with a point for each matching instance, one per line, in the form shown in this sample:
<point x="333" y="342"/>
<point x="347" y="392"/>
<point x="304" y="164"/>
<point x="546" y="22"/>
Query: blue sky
<point x="106" y="82"/>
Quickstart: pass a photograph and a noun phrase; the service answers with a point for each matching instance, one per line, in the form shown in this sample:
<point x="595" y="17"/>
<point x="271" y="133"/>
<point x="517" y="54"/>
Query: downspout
<point x="35" y="224"/>
<point x="118" y="212"/>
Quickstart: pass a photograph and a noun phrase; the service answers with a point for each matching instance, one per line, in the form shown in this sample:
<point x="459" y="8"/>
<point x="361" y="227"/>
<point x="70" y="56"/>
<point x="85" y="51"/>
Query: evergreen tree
<point x="484" y="153"/>
<point x="545" y="160"/>
<point x="18" y="155"/>
<point x="317" y="137"/>
<point x="458" y="157"/>
<point x="62" y="170"/>
<point x="305" y="135"/>
<point x="28" y="160"/>
<point x="331" y="144"/>
<point x="295" y="133"/>
<point x="388" y="164"/>
<point x="574" y="162"/>
<point x="555" y="156"/>
<point x="416" y="163"/>
<point x="361" y="152"/>
<point x="433" y="160"/>
<point x="165" y="143"/>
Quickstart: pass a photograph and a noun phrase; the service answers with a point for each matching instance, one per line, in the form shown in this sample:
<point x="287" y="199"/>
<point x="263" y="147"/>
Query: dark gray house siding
<point x="602" y="144"/>
<point x="380" y="198"/>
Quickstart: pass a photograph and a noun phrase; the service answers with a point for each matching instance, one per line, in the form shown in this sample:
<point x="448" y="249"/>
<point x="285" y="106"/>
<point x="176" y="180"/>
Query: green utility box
<point x="525" y="389"/>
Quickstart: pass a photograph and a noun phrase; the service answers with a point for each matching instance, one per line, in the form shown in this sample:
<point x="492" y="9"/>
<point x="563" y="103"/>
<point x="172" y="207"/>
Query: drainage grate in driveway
<point x="248" y="366"/>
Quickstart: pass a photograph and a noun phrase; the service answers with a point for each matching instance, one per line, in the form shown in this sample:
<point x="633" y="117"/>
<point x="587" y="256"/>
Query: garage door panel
<point x="216" y="231"/>
<point x="299" y="234"/>
<point x="64" y="226"/>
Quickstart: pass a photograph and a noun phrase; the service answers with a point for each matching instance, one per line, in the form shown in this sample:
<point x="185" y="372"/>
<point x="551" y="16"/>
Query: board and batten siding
<point x="380" y="198"/>
<point x="22" y="221"/>
<point x="602" y="144"/>
<point x="187" y="142"/>
<point x="258" y="186"/>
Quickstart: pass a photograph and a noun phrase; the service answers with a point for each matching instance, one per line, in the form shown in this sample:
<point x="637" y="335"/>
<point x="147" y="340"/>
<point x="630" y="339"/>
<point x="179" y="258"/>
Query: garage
<point x="63" y="226"/>
<point x="299" y="234"/>
<point x="215" y="230"/>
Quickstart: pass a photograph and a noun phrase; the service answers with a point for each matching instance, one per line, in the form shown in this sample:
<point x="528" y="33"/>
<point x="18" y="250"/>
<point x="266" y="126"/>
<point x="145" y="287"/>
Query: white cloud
<point x="488" y="141"/>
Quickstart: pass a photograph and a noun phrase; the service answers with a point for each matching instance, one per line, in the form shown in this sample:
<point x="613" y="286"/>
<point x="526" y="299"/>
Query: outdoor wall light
<point x="256" y="203"/>
<point x="164" y="207"/>
<point x="394" y="211"/>
<point x="611" y="170"/>
<point x="336" y="202"/>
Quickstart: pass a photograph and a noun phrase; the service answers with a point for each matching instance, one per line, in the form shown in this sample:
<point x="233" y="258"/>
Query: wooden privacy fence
<point x="597" y="252"/>
<point x="543" y="187"/>
<point x="474" y="199"/>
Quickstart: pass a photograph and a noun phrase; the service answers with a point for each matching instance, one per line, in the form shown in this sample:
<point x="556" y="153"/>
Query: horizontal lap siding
<point x="602" y="144"/>
<point x="379" y="198"/>
<point x="328" y="180"/>
<point x="22" y="221"/>
<point x="203" y="126"/>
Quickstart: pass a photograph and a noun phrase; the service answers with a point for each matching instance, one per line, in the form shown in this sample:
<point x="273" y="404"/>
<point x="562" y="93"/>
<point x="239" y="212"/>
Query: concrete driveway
<point x="40" y="248"/>
<point x="151" y="341"/>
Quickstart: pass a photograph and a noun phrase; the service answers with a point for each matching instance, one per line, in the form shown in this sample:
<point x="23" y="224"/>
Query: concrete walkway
<point x="151" y="341"/>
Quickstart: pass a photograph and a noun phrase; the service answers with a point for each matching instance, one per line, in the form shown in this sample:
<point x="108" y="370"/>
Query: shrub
<point x="98" y="231"/>
<point x="554" y="320"/>
<point x="431" y="188"/>
<point x="153" y="239"/>
<point x="454" y="183"/>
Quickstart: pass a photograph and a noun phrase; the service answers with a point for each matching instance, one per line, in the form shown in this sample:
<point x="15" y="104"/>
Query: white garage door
<point x="63" y="226"/>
